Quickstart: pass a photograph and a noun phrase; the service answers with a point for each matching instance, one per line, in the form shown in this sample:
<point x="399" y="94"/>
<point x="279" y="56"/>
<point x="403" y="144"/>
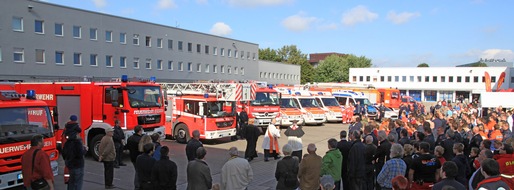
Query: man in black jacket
<point x="73" y="154"/>
<point x="164" y="172"/>
<point x="192" y="145"/>
<point x="370" y="154"/>
<point x="119" y="139"/>
<point x="356" y="163"/>
<point x="242" y="121"/>
<point x="383" y="150"/>
<point x="133" y="147"/>
<point x="144" y="165"/>
<point x="344" y="146"/>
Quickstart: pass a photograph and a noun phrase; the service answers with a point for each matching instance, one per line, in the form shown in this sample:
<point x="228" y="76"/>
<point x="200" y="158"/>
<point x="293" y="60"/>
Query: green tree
<point x="354" y="62"/>
<point x="292" y="55"/>
<point x="307" y="72"/>
<point x="269" y="55"/>
<point x="478" y="64"/>
<point x="423" y="65"/>
<point x="331" y="69"/>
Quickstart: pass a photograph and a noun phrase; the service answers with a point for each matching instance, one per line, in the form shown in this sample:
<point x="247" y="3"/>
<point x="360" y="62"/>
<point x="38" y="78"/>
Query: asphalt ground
<point x="217" y="155"/>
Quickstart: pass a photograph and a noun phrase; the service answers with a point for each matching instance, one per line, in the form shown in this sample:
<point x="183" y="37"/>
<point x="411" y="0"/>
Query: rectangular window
<point x="189" y="66"/>
<point x="77" y="31"/>
<point x="59" y="28"/>
<point x="467" y="79"/>
<point x="382" y="78"/>
<point x="40" y="56"/>
<point x="396" y="78"/>
<point x="427" y="79"/>
<point x="242" y="71"/>
<point x="108" y="36"/>
<point x="207" y="50"/>
<point x="493" y="79"/>
<point x="475" y="79"/>
<point x="180" y="66"/>
<point x="148" y="41"/>
<point x="236" y="55"/>
<point x="420" y="78"/>
<point x="189" y="47"/>
<point x="254" y="56"/>
<point x="247" y="55"/>
<point x="159" y="42"/>
<point x="404" y="79"/>
<point x="198" y="67"/>
<point x="198" y="48"/>
<point x="222" y="68"/>
<point x="170" y="65"/>
<point x="39" y="26"/>
<point x="222" y="52"/>
<point x="434" y="78"/>
<point x="59" y="57"/>
<point x="214" y="50"/>
<point x="229" y="53"/>
<point x="361" y="79"/>
<point x="207" y="68"/>
<point x="450" y="79"/>
<point x="123" y="38"/>
<point x="136" y="63"/>
<point x="17" y="24"/>
<point x="159" y="64"/>
<point x="215" y="69"/>
<point x="242" y="55"/>
<point x="123" y="62"/>
<point x="18" y="55"/>
<point x="180" y="45"/>
<point x="93" y="60"/>
<point x="93" y="33"/>
<point x="368" y="78"/>
<point x="229" y="70"/>
<point x="459" y="79"/>
<point x="236" y="70"/>
<point x="443" y="79"/>
<point x="77" y="59"/>
<point x="148" y="64"/>
<point x="135" y="39"/>
<point x="511" y="78"/>
<point x="108" y="61"/>
<point x="170" y="44"/>
<point x="389" y="78"/>
<point x="411" y="78"/>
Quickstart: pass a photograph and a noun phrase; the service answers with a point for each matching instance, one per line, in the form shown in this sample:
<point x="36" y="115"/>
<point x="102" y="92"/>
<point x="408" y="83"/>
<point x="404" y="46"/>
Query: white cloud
<point x="257" y="3"/>
<point x="166" y="4"/>
<point x="497" y="54"/>
<point x="358" y="14"/>
<point x="298" y="22"/>
<point x="400" y="18"/>
<point x="221" y="29"/>
<point x="100" y="3"/>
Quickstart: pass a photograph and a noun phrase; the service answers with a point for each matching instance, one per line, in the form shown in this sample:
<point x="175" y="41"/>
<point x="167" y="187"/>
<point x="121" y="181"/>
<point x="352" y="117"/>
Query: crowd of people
<point x="445" y="147"/>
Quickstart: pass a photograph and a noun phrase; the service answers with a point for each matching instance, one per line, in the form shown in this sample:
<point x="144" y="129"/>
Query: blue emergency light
<point x="270" y="86"/>
<point x="320" y="93"/>
<point x="153" y="79"/>
<point x="31" y="94"/>
<point x="298" y="93"/>
<point x="124" y="78"/>
<point x="206" y="95"/>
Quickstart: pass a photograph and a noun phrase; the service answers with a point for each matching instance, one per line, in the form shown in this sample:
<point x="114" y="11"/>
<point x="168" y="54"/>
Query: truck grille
<point x="265" y="114"/>
<point x="148" y="119"/>
<point x="224" y="124"/>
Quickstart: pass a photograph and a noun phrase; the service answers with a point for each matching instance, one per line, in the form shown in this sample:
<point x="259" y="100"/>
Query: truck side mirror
<point x="200" y="106"/>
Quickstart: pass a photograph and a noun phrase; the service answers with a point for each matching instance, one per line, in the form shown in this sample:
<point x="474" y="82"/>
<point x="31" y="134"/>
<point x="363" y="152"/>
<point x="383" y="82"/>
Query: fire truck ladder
<point x="223" y="91"/>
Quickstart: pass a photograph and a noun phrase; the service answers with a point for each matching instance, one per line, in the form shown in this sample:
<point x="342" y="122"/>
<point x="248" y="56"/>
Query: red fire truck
<point x="21" y="117"/>
<point x="265" y="106"/>
<point x="207" y="107"/>
<point x="99" y="104"/>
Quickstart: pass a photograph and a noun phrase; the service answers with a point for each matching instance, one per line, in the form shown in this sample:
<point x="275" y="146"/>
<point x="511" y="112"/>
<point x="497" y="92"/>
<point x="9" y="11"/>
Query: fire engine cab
<point x="207" y="107"/>
<point x="311" y="111"/>
<point x="99" y="104"/>
<point x="289" y="109"/>
<point x="330" y="105"/>
<point x="266" y="105"/>
<point x="21" y="117"/>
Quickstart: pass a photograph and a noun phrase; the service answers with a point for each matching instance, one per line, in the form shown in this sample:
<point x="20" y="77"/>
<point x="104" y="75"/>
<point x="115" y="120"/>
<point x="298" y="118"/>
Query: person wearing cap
<point x="294" y="135"/>
<point x="71" y="128"/>
<point x="107" y="155"/>
<point x="73" y="153"/>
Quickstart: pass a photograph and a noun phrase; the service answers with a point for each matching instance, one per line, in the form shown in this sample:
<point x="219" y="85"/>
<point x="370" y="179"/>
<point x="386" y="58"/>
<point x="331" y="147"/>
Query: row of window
<point x="466" y="79"/>
<point x="40" y="54"/>
<point x="281" y="76"/>
<point x="39" y="28"/>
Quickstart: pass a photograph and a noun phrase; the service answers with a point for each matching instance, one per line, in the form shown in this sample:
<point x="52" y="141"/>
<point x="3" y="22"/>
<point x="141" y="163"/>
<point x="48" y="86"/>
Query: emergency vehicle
<point x="266" y="105"/>
<point x="311" y="111"/>
<point x="390" y="97"/>
<point x="329" y="104"/>
<point x="289" y="109"/>
<point x="21" y="117"/>
<point x="347" y="97"/>
<point x="207" y="107"/>
<point x="99" y="104"/>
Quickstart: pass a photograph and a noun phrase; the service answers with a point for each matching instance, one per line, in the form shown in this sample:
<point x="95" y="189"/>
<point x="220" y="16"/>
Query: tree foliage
<point x="269" y="55"/>
<point x="331" y="69"/>
<point x="423" y="65"/>
<point x="478" y="64"/>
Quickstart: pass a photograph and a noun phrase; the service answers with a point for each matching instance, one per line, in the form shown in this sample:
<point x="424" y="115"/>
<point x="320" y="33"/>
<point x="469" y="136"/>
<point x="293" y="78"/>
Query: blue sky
<point x="392" y="33"/>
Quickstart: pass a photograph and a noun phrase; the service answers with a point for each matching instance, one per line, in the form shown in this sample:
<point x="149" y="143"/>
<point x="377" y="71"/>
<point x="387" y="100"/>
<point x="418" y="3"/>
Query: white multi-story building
<point x="434" y="83"/>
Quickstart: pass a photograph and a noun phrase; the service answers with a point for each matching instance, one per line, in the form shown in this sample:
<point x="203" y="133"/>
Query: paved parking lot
<point x="264" y="172"/>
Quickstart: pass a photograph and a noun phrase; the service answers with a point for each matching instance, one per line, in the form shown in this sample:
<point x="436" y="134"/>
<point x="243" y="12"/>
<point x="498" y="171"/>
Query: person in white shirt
<point x="270" y="142"/>
<point x="237" y="173"/>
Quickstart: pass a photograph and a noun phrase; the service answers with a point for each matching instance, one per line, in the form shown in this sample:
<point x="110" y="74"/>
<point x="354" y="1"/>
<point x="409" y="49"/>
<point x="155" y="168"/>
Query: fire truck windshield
<point x="144" y="96"/>
<point x="219" y="109"/>
<point x="363" y="101"/>
<point x="265" y="98"/>
<point x="330" y="102"/>
<point x="308" y="102"/>
<point x="21" y="123"/>
<point x="288" y="103"/>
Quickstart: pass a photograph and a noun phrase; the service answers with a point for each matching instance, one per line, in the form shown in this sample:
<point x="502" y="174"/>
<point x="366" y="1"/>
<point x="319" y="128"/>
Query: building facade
<point x="434" y="83"/>
<point x="43" y="41"/>
<point x="272" y="73"/>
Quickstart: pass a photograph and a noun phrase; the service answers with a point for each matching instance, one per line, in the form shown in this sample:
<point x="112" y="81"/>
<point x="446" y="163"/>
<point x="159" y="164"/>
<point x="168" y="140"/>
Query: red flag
<point x="500" y="81"/>
<point x="487" y="82"/>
